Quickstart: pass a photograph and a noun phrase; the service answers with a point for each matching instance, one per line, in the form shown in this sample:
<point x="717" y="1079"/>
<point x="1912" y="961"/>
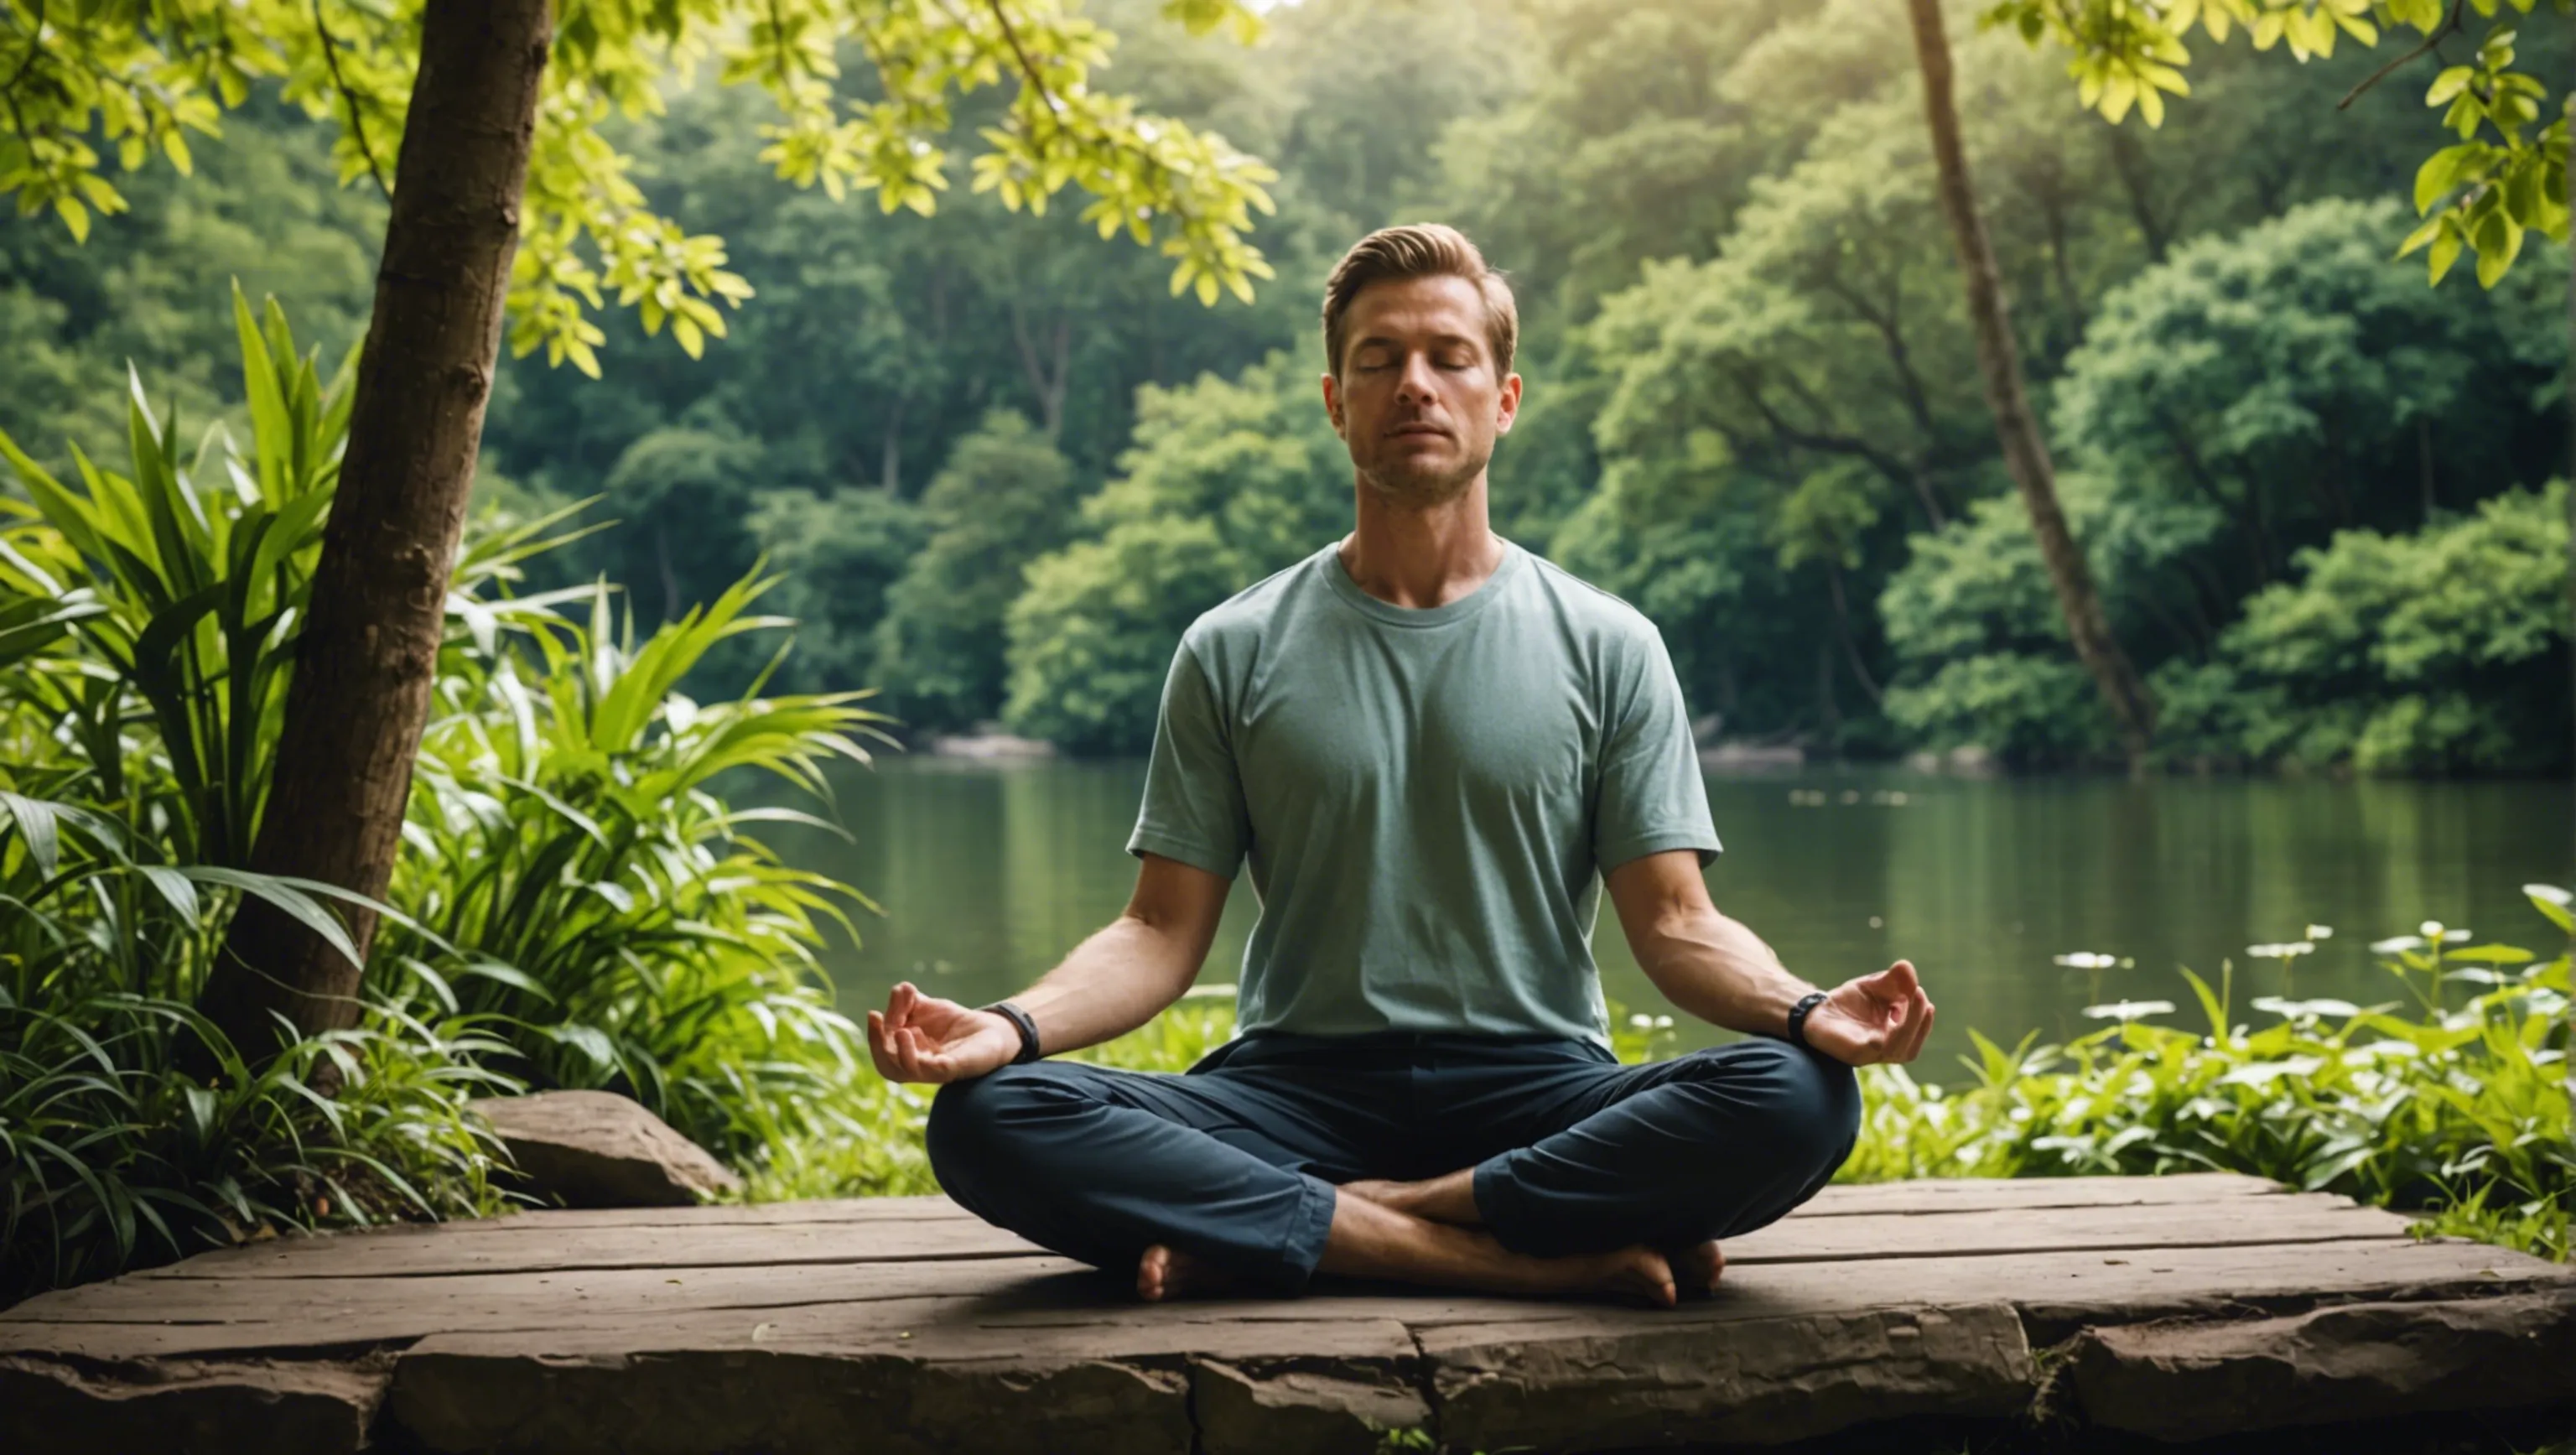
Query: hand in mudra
<point x="920" y="1037"/>
<point x="1872" y="1019"/>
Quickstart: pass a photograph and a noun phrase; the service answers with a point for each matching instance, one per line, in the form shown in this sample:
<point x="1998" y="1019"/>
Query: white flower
<point x="2281" y="952"/>
<point x="2304" y="1009"/>
<point x="2319" y="932"/>
<point x="2395" y="943"/>
<point x="2430" y="929"/>
<point x="2550" y="892"/>
<point x="2454" y="937"/>
<point x="1641" y="1022"/>
<point x="2084" y="960"/>
<point x="1663" y="1023"/>
<point x="2129" y="1010"/>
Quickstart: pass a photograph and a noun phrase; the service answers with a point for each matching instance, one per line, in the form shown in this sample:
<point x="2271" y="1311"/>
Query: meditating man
<point x="1434" y="749"/>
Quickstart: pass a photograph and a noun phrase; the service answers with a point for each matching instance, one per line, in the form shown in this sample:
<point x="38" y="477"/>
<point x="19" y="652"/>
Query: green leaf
<point x="2446" y="251"/>
<point x="2554" y="903"/>
<point x="175" y="887"/>
<point x="2442" y="171"/>
<point x="293" y="902"/>
<point x="40" y="824"/>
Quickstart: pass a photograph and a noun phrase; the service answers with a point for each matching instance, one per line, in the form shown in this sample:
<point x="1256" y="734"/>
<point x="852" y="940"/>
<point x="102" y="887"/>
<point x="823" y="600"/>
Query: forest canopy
<point x="999" y="465"/>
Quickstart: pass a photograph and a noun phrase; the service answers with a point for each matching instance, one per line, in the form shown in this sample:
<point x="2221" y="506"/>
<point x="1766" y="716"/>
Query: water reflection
<point x="988" y="874"/>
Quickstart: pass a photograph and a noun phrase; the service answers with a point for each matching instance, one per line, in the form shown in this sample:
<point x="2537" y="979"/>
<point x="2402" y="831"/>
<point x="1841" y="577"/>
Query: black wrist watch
<point x="1028" y="1029"/>
<point x="1798" y="1015"/>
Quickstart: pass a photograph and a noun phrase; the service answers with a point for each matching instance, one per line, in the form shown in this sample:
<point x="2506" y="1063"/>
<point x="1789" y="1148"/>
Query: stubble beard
<point x="1406" y="488"/>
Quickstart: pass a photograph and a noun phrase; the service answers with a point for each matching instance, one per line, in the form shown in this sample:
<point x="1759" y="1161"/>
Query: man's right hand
<point x="920" y="1037"/>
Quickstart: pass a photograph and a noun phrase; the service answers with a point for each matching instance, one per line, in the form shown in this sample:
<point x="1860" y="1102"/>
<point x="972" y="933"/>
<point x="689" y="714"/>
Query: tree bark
<point x="1998" y="362"/>
<point x="364" y="666"/>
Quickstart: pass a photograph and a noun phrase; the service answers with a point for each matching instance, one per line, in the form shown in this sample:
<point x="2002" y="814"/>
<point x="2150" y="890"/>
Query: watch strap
<point x="1011" y="1012"/>
<point x="1798" y="1015"/>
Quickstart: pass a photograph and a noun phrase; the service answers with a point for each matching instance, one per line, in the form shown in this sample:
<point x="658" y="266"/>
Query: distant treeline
<point x="1000" y="468"/>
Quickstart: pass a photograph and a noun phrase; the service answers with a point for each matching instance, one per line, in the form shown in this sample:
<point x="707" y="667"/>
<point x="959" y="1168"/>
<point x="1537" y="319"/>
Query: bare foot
<point x="1697" y="1268"/>
<point x="1167" y="1273"/>
<point x="1632" y="1274"/>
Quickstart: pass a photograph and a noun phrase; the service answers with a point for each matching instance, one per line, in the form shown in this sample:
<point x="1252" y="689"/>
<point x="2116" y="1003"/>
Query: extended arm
<point x="1113" y="982"/>
<point x="1716" y="969"/>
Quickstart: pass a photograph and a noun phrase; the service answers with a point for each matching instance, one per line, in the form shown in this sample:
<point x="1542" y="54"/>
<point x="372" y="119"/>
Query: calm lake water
<point x="989" y="873"/>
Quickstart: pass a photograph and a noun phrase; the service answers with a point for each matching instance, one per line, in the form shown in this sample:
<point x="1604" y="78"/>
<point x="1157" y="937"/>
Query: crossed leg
<point x="1605" y="1180"/>
<point x="1372" y="1239"/>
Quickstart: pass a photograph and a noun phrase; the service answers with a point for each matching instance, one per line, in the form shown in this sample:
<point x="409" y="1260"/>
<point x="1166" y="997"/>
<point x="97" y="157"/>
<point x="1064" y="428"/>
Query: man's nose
<point x="1420" y="383"/>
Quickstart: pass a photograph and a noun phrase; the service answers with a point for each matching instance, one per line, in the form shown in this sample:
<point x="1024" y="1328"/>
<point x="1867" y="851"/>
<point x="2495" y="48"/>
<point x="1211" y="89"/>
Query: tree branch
<point x="26" y="63"/>
<point x="2440" y="33"/>
<point x="348" y="98"/>
<point x="35" y="43"/>
<point x="1028" y="68"/>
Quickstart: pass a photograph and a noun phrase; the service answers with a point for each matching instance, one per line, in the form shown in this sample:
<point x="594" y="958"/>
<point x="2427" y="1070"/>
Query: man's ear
<point x="1511" y="404"/>
<point x="1333" y="402"/>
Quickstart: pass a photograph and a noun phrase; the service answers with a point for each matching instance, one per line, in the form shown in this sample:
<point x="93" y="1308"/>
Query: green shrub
<point x="575" y="903"/>
<point x="2460" y="1110"/>
<point x="572" y="872"/>
<point x="2441" y="650"/>
<point x="143" y="648"/>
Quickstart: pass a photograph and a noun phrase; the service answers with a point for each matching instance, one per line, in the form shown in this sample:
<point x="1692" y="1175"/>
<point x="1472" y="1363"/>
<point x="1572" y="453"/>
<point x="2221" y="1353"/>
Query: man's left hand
<point x="1873" y="1019"/>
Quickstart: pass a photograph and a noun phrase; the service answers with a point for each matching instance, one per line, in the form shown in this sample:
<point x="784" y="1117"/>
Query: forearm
<point x="1715" y="968"/>
<point x="1113" y="982"/>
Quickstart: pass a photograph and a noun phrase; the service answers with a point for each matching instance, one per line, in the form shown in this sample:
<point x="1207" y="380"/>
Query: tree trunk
<point x="363" y="668"/>
<point x="2025" y="453"/>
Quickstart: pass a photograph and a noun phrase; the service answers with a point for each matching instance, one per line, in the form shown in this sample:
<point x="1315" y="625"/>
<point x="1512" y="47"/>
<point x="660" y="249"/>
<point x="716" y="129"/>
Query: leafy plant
<point x="183" y="592"/>
<point x="110" y="1153"/>
<point x="2459" y="1109"/>
<point x="572" y="870"/>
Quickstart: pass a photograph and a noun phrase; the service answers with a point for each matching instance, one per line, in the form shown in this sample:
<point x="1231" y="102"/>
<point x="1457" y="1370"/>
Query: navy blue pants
<point x="1234" y="1160"/>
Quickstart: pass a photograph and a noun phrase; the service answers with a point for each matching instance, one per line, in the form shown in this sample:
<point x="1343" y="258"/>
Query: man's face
<point x="1418" y="401"/>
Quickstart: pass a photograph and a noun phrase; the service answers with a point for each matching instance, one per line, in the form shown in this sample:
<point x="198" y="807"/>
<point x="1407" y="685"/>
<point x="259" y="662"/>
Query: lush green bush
<point x="572" y="872"/>
<point x="2456" y="1105"/>
<point x="2297" y="381"/>
<point x="2441" y="650"/>
<point x="575" y="903"/>
<point x="142" y="653"/>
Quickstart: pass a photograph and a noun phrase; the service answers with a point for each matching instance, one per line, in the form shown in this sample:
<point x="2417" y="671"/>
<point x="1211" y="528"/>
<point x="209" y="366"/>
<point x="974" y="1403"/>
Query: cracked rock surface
<point x="2159" y="1307"/>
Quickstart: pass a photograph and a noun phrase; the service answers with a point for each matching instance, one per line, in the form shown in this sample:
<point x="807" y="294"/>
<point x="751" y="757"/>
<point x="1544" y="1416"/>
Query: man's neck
<point x="1421" y="558"/>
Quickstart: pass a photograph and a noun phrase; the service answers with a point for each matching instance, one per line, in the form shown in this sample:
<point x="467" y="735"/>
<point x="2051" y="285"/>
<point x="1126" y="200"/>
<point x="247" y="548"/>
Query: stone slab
<point x="1757" y="1381"/>
<point x="1910" y="1299"/>
<point x="1069" y="1389"/>
<point x="2282" y="1218"/>
<point x="647" y="1309"/>
<point x="188" y="1407"/>
<point x="1271" y="1407"/>
<point x="2193" y="1380"/>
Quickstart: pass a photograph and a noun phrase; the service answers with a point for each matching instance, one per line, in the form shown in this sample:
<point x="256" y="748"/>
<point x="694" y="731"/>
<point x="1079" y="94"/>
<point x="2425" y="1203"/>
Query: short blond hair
<point x="1419" y="250"/>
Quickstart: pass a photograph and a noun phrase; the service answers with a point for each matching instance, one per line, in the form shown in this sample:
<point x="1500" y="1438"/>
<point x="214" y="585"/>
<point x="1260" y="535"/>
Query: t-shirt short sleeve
<point x="1193" y="809"/>
<point x="1652" y="796"/>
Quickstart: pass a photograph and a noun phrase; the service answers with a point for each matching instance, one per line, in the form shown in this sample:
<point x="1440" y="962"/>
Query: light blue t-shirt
<point x="1428" y="797"/>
